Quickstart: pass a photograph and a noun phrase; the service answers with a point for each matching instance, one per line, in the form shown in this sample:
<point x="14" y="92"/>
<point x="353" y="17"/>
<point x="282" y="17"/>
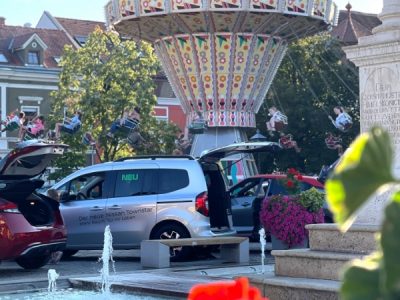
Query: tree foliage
<point x="313" y="78"/>
<point x="102" y="79"/>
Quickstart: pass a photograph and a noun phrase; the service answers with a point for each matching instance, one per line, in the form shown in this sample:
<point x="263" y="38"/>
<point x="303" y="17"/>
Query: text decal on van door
<point x="130" y="177"/>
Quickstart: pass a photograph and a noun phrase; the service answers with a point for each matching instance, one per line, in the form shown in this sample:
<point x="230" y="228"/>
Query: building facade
<point x="168" y="107"/>
<point x="28" y="72"/>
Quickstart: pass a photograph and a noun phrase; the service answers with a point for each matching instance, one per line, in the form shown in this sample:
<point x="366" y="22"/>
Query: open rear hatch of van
<point x="219" y="201"/>
<point x="17" y="184"/>
<point x="29" y="159"/>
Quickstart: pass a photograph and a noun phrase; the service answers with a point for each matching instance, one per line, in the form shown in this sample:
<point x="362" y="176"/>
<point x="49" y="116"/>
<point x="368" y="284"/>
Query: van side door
<point x="131" y="211"/>
<point x="83" y="210"/>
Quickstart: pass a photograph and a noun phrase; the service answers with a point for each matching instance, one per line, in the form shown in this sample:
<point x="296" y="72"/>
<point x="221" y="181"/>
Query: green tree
<point x="102" y="79"/>
<point x="313" y="78"/>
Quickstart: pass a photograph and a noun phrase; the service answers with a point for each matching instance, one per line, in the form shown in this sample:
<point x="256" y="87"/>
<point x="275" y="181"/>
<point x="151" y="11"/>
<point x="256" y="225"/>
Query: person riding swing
<point x="129" y="121"/>
<point x="13" y="121"/>
<point x="34" y="129"/>
<point x="277" y="122"/>
<point x="69" y="125"/>
<point x="343" y="121"/>
<point x="334" y="143"/>
<point x="287" y="142"/>
<point x="198" y="124"/>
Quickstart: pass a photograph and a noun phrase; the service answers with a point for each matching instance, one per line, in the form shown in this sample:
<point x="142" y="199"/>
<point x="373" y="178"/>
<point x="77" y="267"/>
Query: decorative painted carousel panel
<point x="332" y="14"/>
<point x="243" y="44"/>
<point x="223" y="55"/>
<point x="204" y="57"/>
<point x="181" y="5"/>
<point x="180" y="73"/>
<point x="319" y="8"/>
<point x="225" y="4"/>
<point x="274" y="57"/>
<point x="297" y="6"/>
<point x="254" y="20"/>
<point x="188" y="57"/>
<point x="126" y="8"/>
<point x="223" y="21"/>
<point x="193" y="22"/>
<point x="261" y="76"/>
<point x="264" y="4"/>
<point x="151" y="7"/>
<point x="111" y="16"/>
<point x="171" y="75"/>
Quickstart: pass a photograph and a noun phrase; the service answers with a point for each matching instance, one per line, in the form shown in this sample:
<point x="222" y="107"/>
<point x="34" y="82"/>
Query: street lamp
<point x="258" y="137"/>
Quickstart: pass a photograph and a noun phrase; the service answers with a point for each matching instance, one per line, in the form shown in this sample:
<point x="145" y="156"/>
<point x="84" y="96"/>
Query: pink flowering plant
<point x="285" y="216"/>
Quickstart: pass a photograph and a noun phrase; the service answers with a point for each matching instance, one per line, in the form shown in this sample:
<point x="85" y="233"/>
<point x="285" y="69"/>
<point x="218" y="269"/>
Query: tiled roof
<point x="12" y="36"/>
<point x="80" y="27"/>
<point x="353" y="25"/>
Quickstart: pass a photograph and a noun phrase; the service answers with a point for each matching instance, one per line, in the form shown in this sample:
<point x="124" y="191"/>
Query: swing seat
<point x="73" y="130"/>
<point x="30" y="136"/>
<point x="347" y="126"/>
<point x="129" y="127"/>
<point x="11" y="126"/>
<point x="134" y="139"/>
<point x="130" y="124"/>
<point x="280" y="126"/>
<point x="197" y="127"/>
<point x="87" y="139"/>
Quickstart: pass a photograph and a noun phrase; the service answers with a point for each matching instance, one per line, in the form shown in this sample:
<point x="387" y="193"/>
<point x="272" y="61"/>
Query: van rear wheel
<point x="173" y="231"/>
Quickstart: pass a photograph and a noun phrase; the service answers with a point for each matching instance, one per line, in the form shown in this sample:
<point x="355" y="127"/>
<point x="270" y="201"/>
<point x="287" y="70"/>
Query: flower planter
<point x="280" y="245"/>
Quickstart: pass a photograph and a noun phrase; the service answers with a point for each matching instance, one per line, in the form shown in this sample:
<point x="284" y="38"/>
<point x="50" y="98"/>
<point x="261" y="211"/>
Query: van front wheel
<point x="173" y="231"/>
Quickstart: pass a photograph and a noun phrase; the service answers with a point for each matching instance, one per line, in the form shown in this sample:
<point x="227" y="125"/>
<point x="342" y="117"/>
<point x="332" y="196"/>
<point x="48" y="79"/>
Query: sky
<point x="19" y="12"/>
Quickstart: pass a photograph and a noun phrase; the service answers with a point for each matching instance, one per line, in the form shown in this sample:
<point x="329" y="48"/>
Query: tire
<point x="33" y="262"/>
<point x="69" y="253"/>
<point x="173" y="231"/>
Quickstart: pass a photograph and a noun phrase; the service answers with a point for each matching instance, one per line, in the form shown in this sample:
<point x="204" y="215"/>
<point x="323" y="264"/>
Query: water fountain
<point x="263" y="243"/>
<point x="74" y="294"/>
<point x="52" y="276"/>
<point x="106" y="258"/>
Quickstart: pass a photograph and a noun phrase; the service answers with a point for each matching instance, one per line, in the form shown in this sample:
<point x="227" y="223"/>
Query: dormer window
<point x="33" y="58"/>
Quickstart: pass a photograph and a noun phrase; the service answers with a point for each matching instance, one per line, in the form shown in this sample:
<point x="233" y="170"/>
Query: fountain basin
<point x="75" y="294"/>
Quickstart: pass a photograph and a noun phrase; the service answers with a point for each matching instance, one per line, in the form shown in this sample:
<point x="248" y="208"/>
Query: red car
<point x="247" y="195"/>
<point x="31" y="226"/>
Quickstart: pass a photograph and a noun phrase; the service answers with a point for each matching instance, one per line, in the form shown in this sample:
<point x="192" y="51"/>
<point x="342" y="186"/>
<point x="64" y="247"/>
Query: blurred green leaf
<point x="361" y="280"/>
<point x="390" y="245"/>
<point x="365" y="167"/>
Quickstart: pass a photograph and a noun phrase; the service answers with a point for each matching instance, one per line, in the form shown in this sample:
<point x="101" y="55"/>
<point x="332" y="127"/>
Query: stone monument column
<point x="378" y="59"/>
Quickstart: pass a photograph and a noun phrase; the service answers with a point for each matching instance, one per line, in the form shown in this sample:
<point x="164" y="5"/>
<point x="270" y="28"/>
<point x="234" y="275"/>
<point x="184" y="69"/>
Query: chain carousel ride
<point x="220" y="56"/>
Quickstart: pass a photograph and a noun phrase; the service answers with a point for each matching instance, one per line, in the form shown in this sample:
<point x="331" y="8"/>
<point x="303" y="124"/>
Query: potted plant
<point x="285" y="216"/>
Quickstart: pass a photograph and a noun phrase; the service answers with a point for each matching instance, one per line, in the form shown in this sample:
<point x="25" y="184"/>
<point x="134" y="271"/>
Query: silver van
<point x="149" y="197"/>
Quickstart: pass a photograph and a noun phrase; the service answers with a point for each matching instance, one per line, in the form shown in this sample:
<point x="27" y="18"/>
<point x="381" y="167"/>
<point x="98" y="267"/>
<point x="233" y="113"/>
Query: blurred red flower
<point x="239" y="289"/>
<point x="290" y="184"/>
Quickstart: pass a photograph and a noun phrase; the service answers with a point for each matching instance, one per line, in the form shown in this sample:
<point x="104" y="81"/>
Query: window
<point x="172" y="180"/>
<point x="136" y="183"/>
<point x="30" y="111"/>
<point x="247" y="188"/>
<point x="88" y="186"/>
<point x="33" y="58"/>
<point x="81" y="39"/>
<point x="57" y="59"/>
<point x="3" y="58"/>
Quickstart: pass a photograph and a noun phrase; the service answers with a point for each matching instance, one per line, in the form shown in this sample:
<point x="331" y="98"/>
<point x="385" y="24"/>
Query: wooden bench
<point x="155" y="253"/>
